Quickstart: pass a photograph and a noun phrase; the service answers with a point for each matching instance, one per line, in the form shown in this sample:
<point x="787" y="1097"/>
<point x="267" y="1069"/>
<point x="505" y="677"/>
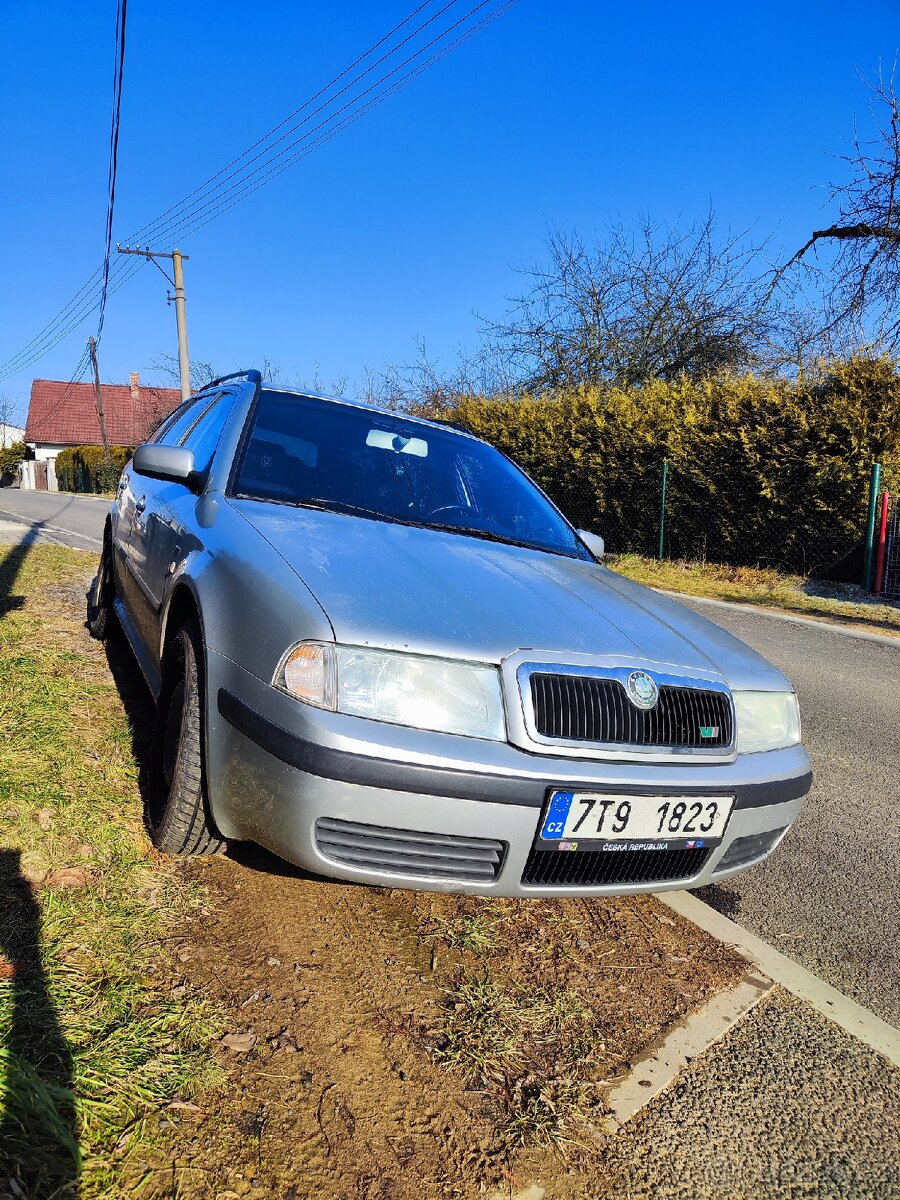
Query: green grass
<point x="530" y="1050"/>
<point x="762" y="586"/>
<point x="476" y="932"/>
<point x="91" y="1040"/>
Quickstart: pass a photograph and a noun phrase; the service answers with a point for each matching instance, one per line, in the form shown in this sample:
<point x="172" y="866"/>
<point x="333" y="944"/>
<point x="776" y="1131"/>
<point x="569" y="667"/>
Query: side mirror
<point x="173" y="464"/>
<point x="593" y="541"/>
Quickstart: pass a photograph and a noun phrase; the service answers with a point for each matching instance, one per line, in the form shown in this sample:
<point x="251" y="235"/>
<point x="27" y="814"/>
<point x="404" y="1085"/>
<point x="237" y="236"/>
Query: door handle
<point x="141" y="505"/>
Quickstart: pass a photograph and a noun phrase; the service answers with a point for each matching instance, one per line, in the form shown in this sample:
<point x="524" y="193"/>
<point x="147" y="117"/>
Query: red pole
<point x="882" y="538"/>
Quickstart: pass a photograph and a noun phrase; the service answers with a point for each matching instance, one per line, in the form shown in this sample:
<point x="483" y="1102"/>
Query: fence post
<point x="874" y="487"/>
<point x="662" y="507"/>
<point x="882" y="541"/>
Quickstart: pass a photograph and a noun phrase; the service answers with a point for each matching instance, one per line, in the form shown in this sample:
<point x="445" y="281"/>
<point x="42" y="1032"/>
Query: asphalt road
<point x="829" y="896"/>
<point x="53" y="517"/>
<point x="786" y="1106"/>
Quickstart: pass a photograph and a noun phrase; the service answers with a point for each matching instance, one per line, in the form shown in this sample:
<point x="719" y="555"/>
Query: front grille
<point x="585" y="708"/>
<point x="410" y="852"/>
<point x="746" y="849"/>
<point x="593" y="868"/>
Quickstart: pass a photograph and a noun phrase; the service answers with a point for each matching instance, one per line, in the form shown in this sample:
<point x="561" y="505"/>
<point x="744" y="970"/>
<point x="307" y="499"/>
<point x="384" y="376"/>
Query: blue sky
<point x="567" y="113"/>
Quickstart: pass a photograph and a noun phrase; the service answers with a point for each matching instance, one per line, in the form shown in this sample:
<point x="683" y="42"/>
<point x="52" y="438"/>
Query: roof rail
<point x="251" y="376"/>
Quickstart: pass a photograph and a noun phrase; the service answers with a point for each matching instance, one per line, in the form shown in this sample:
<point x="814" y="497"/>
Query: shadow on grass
<point x="39" y="1155"/>
<point x="10" y="566"/>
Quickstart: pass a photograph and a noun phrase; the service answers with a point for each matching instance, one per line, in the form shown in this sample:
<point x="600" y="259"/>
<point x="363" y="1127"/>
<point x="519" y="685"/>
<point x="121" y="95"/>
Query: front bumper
<point x="278" y="768"/>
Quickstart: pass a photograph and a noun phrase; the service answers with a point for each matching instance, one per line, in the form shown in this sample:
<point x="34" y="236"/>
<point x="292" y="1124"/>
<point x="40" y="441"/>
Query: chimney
<point x="135" y="385"/>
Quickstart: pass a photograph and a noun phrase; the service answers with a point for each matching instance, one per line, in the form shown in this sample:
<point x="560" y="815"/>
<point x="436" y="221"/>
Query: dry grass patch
<point x="546" y="1001"/>
<point x="842" y="602"/>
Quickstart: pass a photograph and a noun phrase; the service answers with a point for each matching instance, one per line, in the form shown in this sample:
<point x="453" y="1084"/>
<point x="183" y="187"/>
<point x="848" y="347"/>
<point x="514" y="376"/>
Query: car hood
<point x="429" y="591"/>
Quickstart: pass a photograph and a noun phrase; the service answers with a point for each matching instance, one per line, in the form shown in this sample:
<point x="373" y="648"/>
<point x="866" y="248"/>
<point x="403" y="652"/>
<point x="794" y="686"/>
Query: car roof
<point x="372" y="408"/>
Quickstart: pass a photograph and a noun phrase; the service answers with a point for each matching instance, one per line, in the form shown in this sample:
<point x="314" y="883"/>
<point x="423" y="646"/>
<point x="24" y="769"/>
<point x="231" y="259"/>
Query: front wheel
<point x="177" y="810"/>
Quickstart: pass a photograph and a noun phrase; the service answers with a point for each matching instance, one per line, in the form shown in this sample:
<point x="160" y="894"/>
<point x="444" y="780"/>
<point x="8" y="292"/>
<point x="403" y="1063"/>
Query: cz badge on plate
<point x="611" y="821"/>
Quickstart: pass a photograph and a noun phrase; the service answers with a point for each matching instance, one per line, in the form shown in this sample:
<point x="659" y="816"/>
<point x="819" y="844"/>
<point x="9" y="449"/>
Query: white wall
<point x="47" y="450"/>
<point x="10" y="434"/>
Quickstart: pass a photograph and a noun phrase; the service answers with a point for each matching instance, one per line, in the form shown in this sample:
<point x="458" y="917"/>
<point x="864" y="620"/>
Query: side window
<point x="160" y="430"/>
<point x="203" y="436"/>
<point x="182" y="420"/>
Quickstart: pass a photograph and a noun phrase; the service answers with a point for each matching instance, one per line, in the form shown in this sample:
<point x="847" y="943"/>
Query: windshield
<point x="354" y="460"/>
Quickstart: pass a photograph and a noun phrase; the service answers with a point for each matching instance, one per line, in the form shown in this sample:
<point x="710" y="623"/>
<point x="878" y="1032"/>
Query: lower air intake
<point x="409" y="852"/>
<point x="594" y="868"/>
<point x="745" y="849"/>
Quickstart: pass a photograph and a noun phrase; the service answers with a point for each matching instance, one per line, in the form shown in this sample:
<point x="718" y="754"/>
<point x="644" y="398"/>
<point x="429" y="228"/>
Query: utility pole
<point x="98" y="399"/>
<point x="184" y="362"/>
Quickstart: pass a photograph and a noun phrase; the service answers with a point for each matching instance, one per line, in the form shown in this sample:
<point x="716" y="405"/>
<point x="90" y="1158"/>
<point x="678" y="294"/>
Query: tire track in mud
<point x="340" y="989"/>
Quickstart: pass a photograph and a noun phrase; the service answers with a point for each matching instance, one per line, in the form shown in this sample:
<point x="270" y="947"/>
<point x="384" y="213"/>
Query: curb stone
<point x="864" y="1025"/>
<point x="696" y="1033"/>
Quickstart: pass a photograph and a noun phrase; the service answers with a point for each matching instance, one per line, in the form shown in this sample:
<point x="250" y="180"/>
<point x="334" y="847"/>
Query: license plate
<point x="598" y="820"/>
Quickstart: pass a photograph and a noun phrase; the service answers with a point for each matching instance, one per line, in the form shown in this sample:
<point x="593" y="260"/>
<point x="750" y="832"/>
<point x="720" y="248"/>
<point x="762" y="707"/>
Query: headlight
<point x="766" y="721"/>
<point x="403" y="689"/>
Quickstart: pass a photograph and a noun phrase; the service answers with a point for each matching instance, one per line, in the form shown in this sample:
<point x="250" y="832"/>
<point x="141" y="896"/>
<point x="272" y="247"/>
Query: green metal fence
<point x="822" y="532"/>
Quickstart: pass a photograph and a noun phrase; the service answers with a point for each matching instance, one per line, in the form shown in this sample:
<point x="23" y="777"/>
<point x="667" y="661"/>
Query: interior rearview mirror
<point x="593" y="541"/>
<point x="174" y="464"/>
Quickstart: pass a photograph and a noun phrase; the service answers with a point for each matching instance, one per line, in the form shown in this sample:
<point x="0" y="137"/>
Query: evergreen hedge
<point x="10" y="458"/>
<point x="83" y="469"/>
<point x="760" y="471"/>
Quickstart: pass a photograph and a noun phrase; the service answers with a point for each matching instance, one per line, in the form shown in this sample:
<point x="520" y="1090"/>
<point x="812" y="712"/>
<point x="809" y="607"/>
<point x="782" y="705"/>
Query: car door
<point x="132" y="490"/>
<point x="144" y="587"/>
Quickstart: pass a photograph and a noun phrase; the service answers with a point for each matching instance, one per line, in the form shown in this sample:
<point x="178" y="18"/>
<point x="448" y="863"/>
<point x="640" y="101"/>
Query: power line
<point x="77" y="376"/>
<point x="101" y="275"/>
<point x="246" y="189"/>
<point x="118" y="80"/>
<point x="220" y="203"/>
<point x="154" y="230"/>
<point x="213" y="198"/>
<point x="148" y="230"/>
<point x="350" y="119"/>
<point x="74" y="312"/>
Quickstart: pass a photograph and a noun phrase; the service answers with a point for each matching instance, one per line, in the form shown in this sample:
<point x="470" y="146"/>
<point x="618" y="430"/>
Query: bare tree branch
<point x="656" y="302"/>
<point x="862" y="279"/>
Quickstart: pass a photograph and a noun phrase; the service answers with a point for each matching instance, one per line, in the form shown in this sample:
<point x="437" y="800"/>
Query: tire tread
<point x="185" y="826"/>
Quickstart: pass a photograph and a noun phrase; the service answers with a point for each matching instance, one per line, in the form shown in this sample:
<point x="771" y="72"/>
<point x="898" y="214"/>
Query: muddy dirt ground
<point x="349" y="1059"/>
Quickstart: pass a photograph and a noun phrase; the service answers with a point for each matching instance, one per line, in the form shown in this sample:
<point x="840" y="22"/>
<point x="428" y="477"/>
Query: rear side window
<point x="160" y="431"/>
<point x="203" y="436"/>
<point x="172" y="433"/>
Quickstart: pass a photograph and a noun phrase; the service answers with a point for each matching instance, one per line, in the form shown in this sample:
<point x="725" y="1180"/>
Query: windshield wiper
<point x="338" y="506"/>
<point x="345" y="507"/>
<point x="485" y="534"/>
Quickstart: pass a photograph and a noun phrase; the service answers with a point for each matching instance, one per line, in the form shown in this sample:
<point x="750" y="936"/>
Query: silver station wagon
<point x="380" y="651"/>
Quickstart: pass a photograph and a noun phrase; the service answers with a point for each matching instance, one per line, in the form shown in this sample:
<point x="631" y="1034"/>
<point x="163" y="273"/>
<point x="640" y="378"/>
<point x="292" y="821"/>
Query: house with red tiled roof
<point x="64" y="414"/>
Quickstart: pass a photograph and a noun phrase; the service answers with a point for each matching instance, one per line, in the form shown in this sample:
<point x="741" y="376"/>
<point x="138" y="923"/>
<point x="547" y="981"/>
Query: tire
<point x="101" y="596"/>
<point x="177" y="810"/>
